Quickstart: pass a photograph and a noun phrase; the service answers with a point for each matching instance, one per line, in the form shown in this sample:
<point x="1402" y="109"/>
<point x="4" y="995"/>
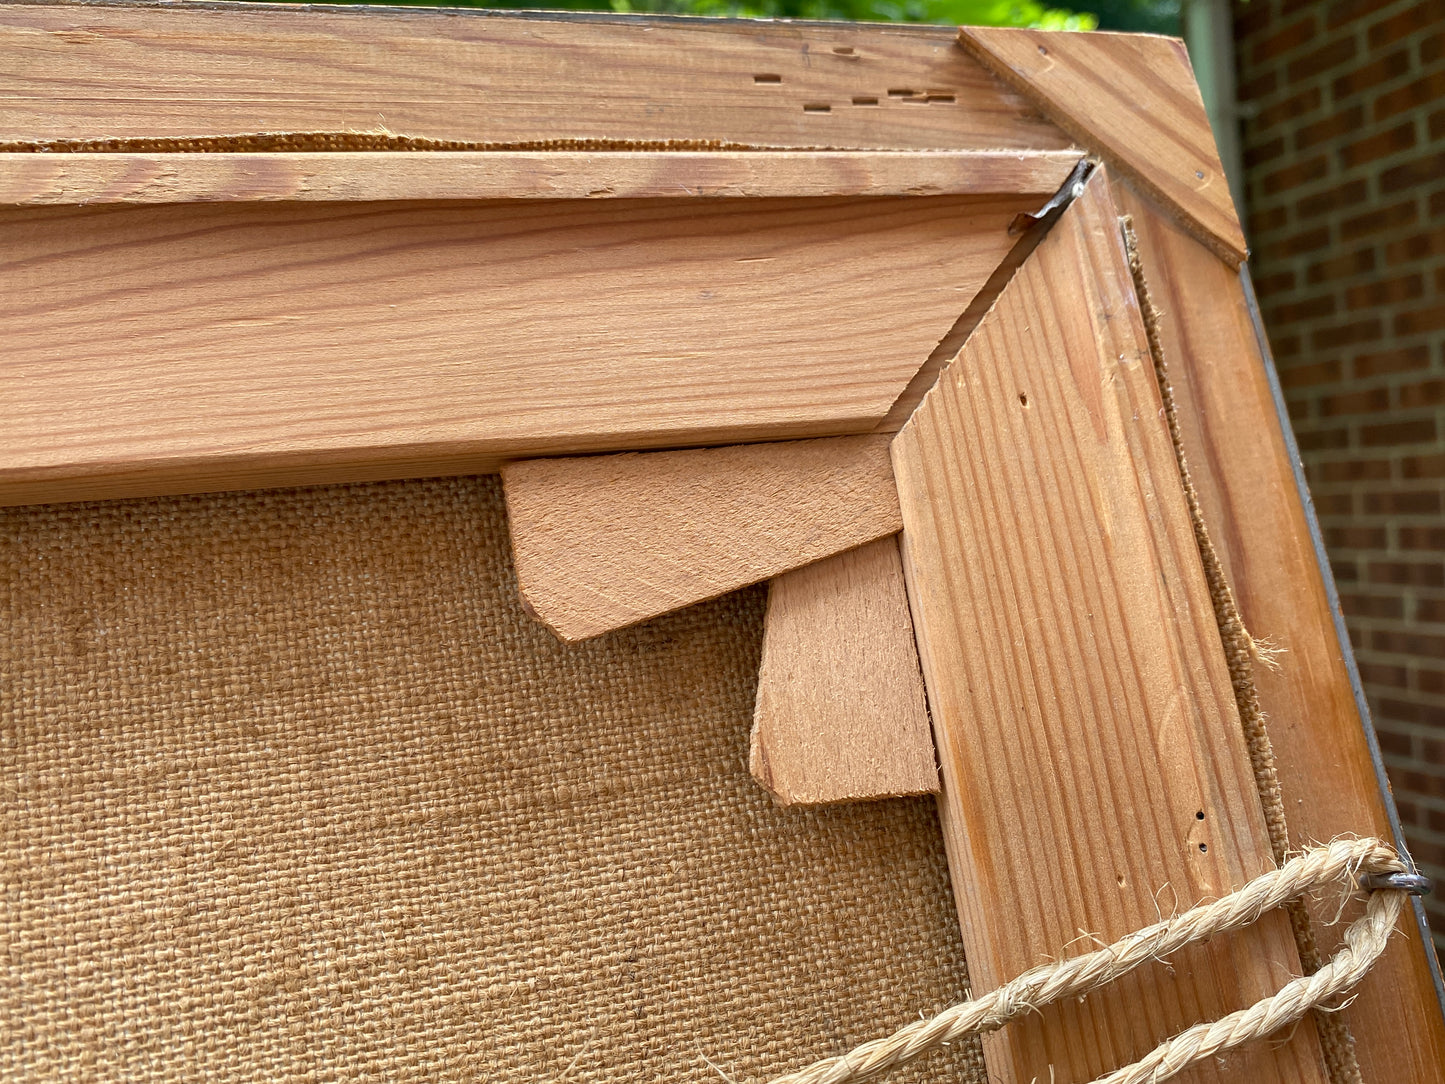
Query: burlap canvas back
<point x="293" y="788"/>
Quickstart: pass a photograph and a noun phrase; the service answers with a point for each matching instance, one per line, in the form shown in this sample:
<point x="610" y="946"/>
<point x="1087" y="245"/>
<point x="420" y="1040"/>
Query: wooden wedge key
<point x="840" y="712"/>
<point x="602" y="542"/>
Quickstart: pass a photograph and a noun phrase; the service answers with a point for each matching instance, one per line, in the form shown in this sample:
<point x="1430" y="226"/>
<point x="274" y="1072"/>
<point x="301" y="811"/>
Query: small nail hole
<point x="1023" y="398"/>
<point x="1043" y="51"/>
<point x="1199" y="816"/>
<point x="1199" y="173"/>
<point x="1204" y="848"/>
<point x="946" y="98"/>
<point x="901" y="92"/>
<point x="843" y="50"/>
<point x="865" y="101"/>
<point x="767" y="77"/>
<point x="817" y="107"/>
<point x="1121" y="880"/>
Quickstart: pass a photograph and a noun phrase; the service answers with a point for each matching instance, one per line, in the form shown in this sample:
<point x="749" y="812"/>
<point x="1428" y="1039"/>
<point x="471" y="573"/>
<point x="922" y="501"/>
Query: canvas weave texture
<point x="293" y="788"/>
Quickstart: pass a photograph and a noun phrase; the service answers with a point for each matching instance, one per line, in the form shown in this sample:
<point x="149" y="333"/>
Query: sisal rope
<point x="1340" y="863"/>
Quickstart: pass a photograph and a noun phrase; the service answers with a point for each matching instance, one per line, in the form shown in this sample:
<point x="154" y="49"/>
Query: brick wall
<point x="1344" y="146"/>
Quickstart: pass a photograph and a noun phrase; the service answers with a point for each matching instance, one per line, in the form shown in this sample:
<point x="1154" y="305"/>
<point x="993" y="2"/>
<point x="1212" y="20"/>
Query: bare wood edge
<point x="920" y="627"/>
<point x="1231" y="251"/>
<point x="1314" y="699"/>
<point x="40" y="179"/>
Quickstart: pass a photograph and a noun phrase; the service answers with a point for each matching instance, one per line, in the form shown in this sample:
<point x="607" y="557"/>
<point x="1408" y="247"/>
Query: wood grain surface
<point x="28" y="179"/>
<point x="1240" y="465"/>
<point x="840" y="713"/>
<point x="212" y="346"/>
<point x="1132" y="99"/>
<point x="602" y="542"/>
<point x="1094" y="770"/>
<point x="187" y="71"/>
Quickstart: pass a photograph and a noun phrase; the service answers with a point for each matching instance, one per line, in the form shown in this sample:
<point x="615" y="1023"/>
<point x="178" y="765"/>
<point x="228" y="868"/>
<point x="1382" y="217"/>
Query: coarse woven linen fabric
<point x="293" y="788"/>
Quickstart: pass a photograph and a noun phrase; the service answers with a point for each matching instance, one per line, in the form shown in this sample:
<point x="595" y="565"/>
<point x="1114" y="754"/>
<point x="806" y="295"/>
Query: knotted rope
<point x="1343" y="864"/>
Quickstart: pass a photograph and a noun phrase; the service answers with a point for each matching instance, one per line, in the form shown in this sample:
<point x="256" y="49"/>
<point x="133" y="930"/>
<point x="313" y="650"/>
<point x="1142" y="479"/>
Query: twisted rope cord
<point x="1340" y="863"/>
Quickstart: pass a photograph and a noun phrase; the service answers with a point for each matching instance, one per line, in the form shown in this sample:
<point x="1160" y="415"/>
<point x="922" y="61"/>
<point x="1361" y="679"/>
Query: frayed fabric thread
<point x="1340" y="864"/>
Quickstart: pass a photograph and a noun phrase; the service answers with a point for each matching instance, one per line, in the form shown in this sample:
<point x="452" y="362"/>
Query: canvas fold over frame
<point x="848" y="308"/>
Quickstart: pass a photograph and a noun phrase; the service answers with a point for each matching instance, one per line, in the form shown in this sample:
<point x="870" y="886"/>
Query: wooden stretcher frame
<point x="560" y="111"/>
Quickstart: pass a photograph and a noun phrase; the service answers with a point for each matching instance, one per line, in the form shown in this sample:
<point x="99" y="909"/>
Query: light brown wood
<point x="212" y="346"/>
<point x="1240" y="465"/>
<point x="1132" y="99"/>
<point x="840" y="713"/>
<point x="188" y="70"/>
<point x="603" y="542"/>
<point x="28" y="179"/>
<point x="1094" y="770"/>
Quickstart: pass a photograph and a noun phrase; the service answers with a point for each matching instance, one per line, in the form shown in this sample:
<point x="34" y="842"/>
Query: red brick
<point x="1286" y="346"/>
<point x="1437" y="124"/>
<point x="1424" y="170"/>
<point x="1431" y="681"/>
<point x="1374" y="673"/>
<point x="1299" y="243"/>
<point x="1353" y="470"/>
<point x="1339" y="123"/>
<point x="1283" y="40"/>
<point x="1307" y="101"/>
<point x="1279" y="282"/>
<point x="1437" y="204"/>
<point x="1260" y="153"/>
<point x="1326" y="338"/>
<point x="1421" y="538"/>
<point x="1335" y="504"/>
<point x="1251" y="19"/>
<point x="1377" y="71"/>
<point x="1432" y="48"/>
<point x="1354" y="537"/>
<point x="1265" y="221"/>
<point x="1418" y="783"/>
<point x="1407" y="712"/>
<point x="1349" y="11"/>
<point x="1321" y="60"/>
<point x="1346" y="265"/>
<point x="1346" y="571"/>
<point x="1298" y="409"/>
<point x="1260" y="86"/>
<point x="1367" y="401"/>
<point x="1416" y="431"/>
<point x="1409" y="812"/>
<point x="1423" y="466"/>
<point x="1394" y="743"/>
<point x="1296" y="174"/>
<point x="1408" y="643"/>
<point x="1310" y="308"/>
<point x="1419" y="17"/>
<point x="1432" y="610"/>
<point x="1385" y="291"/>
<point x="1305" y="376"/>
<point x="1349" y="194"/>
<point x="1322" y="439"/>
<point x="1391" y="141"/>
<point x="1425" y="393"/>
<point x="1417" y="246"/>
<point x="1381" y="218"/>
<point x="1421" y="320"/>
<point x="1407" y="574"/>
<point x="1372" y="605"/>
<point x="1391" y="361"/>
<point x="1422" y="91"/>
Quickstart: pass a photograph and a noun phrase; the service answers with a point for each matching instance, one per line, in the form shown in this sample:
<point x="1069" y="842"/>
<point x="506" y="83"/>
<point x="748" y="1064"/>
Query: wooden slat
<point x="212" y="346"/>
<point x="45" y="179"/>
<point x="1131" y="98"/>
<point x="840" y="713"/>
<point x="603" y="542"/>
<point x="198" y="70"/>
<point x="1093" y="767"/>
<point x="1241" y="470"/>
